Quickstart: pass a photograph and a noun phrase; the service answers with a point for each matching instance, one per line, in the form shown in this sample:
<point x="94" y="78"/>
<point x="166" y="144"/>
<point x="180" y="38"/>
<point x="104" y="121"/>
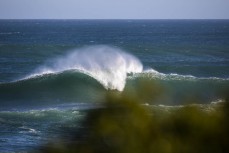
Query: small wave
<point x="218" y="101"/>
<point x="153" y="74"/>
<point x="25" y="129"/>
<point x="8" y="33"/>
<point x="20" y="119"/>
<point x="170" y="108"/>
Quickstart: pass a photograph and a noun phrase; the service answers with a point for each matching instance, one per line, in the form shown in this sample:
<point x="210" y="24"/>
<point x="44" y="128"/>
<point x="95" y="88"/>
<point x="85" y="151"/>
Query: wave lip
<point x="108" y="65"/>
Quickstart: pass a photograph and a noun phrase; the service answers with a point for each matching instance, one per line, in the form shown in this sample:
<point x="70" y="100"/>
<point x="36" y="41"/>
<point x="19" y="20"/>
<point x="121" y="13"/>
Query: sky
<point x="114" y="9"/>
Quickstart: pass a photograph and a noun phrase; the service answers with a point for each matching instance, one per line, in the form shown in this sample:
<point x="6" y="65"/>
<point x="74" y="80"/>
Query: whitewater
<point x="108" y="65"/>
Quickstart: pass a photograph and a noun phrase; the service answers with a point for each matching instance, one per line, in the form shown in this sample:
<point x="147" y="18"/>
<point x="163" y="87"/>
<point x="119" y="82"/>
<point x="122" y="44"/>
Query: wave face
<point x="108" y="65"/>
<point x="47" y="89"/>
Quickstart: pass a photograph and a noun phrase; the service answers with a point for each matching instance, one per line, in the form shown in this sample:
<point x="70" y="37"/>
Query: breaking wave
<point x="108" y="65"/>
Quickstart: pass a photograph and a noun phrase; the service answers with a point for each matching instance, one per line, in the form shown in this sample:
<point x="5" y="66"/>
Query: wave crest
<point x="108" y="65"/>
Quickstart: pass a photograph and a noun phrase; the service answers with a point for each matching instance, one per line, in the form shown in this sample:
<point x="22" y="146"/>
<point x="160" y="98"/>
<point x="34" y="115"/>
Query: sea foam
<point x="108" y="65"/>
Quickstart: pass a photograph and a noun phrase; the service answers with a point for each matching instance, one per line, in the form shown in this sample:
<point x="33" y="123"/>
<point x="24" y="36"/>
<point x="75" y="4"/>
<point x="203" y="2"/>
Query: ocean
<point x="53" y="71"/>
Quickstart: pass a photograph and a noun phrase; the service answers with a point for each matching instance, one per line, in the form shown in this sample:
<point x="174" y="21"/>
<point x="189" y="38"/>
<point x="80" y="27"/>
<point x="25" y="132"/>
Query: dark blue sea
<point x="52" y="71"/>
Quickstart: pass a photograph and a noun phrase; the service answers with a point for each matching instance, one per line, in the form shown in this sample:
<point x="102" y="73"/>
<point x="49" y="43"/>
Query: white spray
<point x="108" y="65"/>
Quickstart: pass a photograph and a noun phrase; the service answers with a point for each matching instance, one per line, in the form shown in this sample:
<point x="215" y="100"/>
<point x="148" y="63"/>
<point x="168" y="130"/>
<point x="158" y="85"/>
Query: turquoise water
<point x="51" y="71"/>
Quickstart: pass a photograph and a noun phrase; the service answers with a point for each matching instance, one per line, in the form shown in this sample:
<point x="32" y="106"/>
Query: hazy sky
<point x="114" y="9"/>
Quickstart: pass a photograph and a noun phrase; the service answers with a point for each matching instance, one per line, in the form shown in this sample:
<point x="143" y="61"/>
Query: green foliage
<point x="125" y="125"/>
